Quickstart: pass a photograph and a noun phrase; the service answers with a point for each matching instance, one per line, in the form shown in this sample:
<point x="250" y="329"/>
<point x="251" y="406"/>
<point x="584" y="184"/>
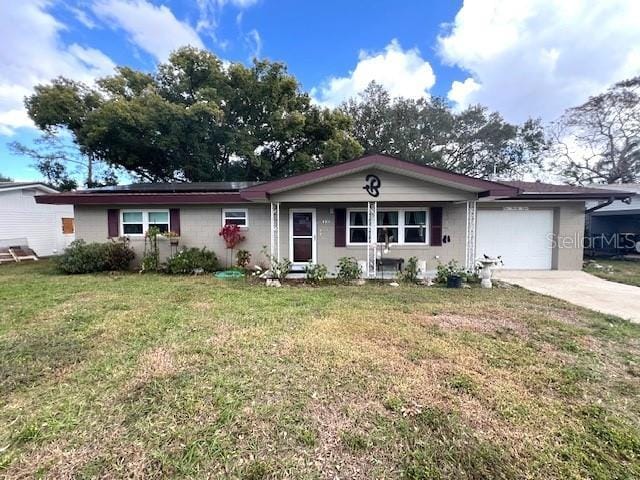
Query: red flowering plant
<point x="232" y="236"/>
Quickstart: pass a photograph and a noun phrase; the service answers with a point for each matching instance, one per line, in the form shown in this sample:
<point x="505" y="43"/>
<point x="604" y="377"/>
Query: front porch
<point x="382" y="236"/>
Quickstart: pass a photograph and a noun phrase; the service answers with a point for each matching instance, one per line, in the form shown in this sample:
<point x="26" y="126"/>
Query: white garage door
<point x="523" y="238"/>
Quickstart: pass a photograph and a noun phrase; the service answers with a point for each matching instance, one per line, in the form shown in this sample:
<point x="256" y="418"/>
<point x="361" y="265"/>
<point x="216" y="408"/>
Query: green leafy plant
<point x="280" y="268"/>
<point x="119" y="254"/>
<point x="411" y="272"/>
<point x="82" y="257"/>
<point x="316" y="273"/>
<point x="190" y="260"/>
<point x="151" y="257"/>
<point x="348" y="269"/>
<point x="243" y="258"/>
<point x="453" y="268"/>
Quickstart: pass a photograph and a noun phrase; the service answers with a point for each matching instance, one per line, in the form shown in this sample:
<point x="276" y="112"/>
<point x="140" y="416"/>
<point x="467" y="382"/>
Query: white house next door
<point x="302" y="241"/>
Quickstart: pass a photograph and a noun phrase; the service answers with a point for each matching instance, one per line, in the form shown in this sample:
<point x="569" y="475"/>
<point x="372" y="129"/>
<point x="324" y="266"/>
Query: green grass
<point x="621" y="271"/>
<point x="126" y="375"/>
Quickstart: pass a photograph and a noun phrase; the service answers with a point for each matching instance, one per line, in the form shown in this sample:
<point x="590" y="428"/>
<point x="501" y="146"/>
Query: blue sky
<point x="527" y="58"/>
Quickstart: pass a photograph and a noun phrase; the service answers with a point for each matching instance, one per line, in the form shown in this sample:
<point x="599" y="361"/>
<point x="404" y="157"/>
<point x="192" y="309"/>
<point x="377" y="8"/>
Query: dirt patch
<point x="224" y="335"/>
<point x="158" y="363"/>
<point x="106" y="455"/>
<point x="475" y="323"/>
<point x="331" y="456"/>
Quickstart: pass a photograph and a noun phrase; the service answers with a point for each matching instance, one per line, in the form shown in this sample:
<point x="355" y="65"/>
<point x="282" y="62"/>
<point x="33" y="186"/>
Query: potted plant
<point x="172" y="236"/>
<point x="451" y="274"/>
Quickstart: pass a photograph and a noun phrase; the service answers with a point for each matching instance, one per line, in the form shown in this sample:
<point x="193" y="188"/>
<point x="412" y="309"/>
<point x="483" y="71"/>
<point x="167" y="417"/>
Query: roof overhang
<point x="36" y="185"/>
<point x="386" y="163"/>
<point x="616" y="213"/>
<point x="74" y="198"/>
<point x="570" y="196"/>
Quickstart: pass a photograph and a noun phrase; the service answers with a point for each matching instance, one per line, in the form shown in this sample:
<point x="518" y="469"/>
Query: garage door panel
<point x="523" y="238"/>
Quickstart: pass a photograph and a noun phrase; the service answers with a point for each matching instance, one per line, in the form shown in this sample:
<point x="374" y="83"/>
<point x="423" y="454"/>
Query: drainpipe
<point x="599" y="206"/>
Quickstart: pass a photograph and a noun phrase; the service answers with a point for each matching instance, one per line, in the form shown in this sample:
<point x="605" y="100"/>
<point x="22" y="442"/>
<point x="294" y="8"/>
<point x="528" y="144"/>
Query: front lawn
<point x="127" y="375"/>
<point x="621" y="271"/>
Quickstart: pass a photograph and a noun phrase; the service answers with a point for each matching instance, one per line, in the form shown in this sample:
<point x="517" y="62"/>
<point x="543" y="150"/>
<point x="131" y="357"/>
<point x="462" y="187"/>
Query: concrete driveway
<point x="581" y="289"/>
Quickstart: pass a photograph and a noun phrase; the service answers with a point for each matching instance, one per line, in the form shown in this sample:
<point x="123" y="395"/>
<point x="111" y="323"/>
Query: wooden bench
<point x="395" y="264"/>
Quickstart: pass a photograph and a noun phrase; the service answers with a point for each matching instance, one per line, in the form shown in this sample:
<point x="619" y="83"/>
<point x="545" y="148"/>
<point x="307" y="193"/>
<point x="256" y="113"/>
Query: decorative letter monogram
<point x="373" y="185"/>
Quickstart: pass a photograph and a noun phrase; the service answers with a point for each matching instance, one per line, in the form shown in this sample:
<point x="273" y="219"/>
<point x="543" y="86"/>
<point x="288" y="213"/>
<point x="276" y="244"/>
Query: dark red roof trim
<point x="569" y="196"/>
<point x="140" y="198"/>
<point x="262" y="190"/>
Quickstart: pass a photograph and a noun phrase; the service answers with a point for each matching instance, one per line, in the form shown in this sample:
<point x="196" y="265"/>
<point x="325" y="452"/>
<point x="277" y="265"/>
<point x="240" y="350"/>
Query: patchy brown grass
<point x="135" y="376"/>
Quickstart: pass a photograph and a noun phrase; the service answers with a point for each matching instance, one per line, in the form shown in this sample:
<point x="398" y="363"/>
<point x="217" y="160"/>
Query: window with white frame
<point x="235" y="216"/>
<point x="388" y="227"/>
<point x="357" y="226"/>
<point x="137" y="222"/>
<point x="415" y="226"/>
<point x="407" y="226"/>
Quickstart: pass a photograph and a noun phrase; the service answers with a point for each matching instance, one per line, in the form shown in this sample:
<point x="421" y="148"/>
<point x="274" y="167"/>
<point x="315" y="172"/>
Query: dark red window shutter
<point x="341" y="227"/>
<point x="435" y="218"/>
<point x="113" y="222"/>
<point x="174" y="220"/>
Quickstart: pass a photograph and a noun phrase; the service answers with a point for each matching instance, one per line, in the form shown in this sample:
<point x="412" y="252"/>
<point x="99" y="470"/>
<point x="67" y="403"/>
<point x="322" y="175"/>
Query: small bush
<point x="243" y="258"/>
<point x="316" y="273"/>
<point x="82" y="257"/>
<point x="348" y="269"/>
<point x="189" y="260"/>
<point x="119" y="255"/>
<point x="280" y="269"/>
<point x="453" y="268"/>
<point x="411" y="272"/>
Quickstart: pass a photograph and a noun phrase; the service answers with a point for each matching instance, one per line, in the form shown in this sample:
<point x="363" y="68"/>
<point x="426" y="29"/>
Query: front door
<point x="302" y="228"/>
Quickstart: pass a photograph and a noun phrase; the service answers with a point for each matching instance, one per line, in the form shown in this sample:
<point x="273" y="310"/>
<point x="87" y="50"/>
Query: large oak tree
<point x="196" y="119"/>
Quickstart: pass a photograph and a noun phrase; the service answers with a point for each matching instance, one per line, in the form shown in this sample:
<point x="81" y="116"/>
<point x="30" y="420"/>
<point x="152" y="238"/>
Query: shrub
<point x="189" y="260"/>
<point x="243" y="258"/>
<point x="348" y="269"/>
<point x="280" y="269"/>
<point x="411" y="271"/>
<point x="316" y="273"/>
<point x="119" y="255"/>
<point x="82" y="257"/>
<point x="453" y="268"/>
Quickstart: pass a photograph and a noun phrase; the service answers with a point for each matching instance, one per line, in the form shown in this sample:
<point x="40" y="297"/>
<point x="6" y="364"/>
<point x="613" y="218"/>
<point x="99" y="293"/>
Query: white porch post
<point x="275" y="231"/>
<point x="471" y="235"/>
<point x="372" y="239"/>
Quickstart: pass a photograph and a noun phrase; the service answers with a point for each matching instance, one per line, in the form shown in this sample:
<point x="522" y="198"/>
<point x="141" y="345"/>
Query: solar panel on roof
<point x="173" y="187"/>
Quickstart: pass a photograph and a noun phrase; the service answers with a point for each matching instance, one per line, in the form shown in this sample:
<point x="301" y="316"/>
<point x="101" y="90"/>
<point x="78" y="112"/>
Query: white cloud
<point x="402" y="72"/>
<point x="82" y="16"/>
<point x="32" y="52"/>
<point x="461" y="91"/>
<point x="210" y="11"/>
<point x="254" y="42"/>
<point x="154" y="29"/>
<point x="538" y="57"/>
